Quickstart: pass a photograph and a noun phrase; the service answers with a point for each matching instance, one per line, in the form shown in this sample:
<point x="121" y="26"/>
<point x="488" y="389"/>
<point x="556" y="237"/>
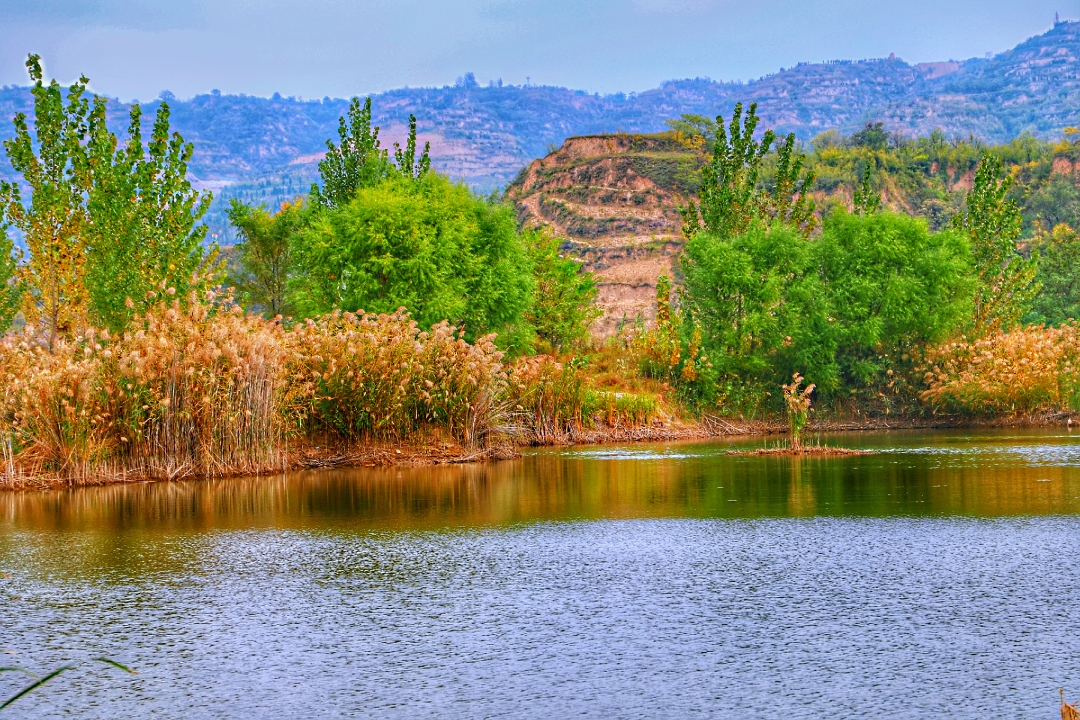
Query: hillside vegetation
<point x="264" y="149"/>
<point x="616" y="198"/>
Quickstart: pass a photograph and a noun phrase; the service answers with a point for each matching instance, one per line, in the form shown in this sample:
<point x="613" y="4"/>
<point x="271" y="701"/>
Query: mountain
<point x="266" y="149"/>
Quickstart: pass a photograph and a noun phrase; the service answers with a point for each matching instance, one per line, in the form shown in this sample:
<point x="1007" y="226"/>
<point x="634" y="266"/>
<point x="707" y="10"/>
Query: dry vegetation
<point x="1031" y="369"/>
<point x="201" y="389"/>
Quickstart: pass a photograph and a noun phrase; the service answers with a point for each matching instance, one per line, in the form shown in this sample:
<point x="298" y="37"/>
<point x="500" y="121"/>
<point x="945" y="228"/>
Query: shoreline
<point x="405" y="453"/>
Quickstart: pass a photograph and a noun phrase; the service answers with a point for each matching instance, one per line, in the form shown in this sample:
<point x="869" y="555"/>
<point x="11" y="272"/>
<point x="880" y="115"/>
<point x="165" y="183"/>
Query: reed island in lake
<point x="394" y="314"/>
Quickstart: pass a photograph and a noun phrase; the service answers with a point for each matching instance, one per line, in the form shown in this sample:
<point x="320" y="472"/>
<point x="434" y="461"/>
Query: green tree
<point x="429" y="245"/>
<point x="762" y="311"/>
<point x="405" y="159"/>
<point x="54" y="165"/>
<point x="265" y="254"/>
<point x="356" y="162"/>
<point x="564" y="296"/>
<point x="104" y="226"/>
<point x="839" y="309"/>
<point x="144" y="233"/>
<point x="874" y="136"/>
<point x="1054" y="203"/>
<point x="1006" y="280"/>
<point x="733" y="194"/>
<point x="789" y="201"/>
<point x="866" y="200"/>
<point x="892" y="286"/>
<point x="11" y="288"/>
<point x="1059" y="277"/>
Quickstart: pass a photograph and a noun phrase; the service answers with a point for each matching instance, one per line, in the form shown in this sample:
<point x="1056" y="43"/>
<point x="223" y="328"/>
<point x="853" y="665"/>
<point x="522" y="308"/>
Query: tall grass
<point x="200" y="389"/>
<point x="1028" y="370"/>
<point x="553" y="403"/>
<point x="356" y="377"/>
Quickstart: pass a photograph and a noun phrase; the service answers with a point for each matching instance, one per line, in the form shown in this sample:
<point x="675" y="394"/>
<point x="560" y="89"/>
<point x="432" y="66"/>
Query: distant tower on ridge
<point x="1057" y="19"/>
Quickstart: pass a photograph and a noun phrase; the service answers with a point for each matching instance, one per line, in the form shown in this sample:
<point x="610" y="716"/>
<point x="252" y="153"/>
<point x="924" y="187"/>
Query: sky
<point x="135" y="49"/>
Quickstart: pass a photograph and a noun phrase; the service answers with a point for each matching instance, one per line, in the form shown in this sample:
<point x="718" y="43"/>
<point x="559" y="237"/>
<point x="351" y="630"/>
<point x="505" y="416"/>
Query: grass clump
<point x="554" y="404"/>
<point x="1028" y="370"/>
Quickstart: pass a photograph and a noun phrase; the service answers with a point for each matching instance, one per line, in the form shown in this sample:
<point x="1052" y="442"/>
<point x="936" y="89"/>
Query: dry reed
<point x="1028" y="370"/>
<point x="199" y="389"/>
<point x="553" y="405"/>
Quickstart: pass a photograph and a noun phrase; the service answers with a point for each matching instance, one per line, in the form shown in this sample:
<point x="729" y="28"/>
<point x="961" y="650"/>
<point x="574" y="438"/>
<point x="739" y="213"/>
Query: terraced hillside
<point x="616" y="199"/>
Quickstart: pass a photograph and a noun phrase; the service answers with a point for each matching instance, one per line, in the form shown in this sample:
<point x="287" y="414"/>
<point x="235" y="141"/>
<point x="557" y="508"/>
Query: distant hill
<point x="266" y="149"/>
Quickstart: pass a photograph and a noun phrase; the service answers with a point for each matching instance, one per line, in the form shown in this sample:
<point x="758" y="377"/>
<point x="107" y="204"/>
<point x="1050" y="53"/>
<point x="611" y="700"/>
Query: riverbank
<point x="434" y="451"/>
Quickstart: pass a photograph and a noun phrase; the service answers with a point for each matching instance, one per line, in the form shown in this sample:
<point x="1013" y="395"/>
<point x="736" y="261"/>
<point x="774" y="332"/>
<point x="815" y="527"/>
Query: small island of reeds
<point x="797" y="400"/>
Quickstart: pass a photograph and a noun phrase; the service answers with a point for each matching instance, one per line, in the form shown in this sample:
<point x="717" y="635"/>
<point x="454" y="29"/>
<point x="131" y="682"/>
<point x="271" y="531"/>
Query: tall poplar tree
<point x="104" y="226"/>
<point x="1005" y="280"/>
<point x="145" y="233"/>
<point x="54" y="165"/>
<point x="733" y="194"/>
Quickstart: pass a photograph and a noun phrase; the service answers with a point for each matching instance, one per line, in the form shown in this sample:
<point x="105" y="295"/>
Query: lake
<point x="938" y="577"/>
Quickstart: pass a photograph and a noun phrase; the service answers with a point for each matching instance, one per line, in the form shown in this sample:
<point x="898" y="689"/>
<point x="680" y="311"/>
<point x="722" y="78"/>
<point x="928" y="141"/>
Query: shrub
<point x="429" y="245"/>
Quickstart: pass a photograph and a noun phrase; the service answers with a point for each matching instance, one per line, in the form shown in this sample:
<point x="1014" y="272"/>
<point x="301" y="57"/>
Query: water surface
<point x="936" y="577"/>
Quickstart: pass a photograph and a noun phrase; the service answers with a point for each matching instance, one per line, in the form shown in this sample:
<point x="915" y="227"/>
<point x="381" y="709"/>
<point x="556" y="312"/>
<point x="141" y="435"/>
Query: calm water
<point x="940" y="577"/>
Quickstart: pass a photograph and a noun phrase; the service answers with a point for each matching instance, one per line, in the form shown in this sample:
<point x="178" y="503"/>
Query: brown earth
<point x="615" y="199"/>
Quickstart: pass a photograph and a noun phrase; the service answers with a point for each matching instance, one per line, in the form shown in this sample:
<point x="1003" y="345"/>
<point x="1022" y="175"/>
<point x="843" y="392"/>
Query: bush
<point x="841" y="309"/>
<point x="426" y="244"/>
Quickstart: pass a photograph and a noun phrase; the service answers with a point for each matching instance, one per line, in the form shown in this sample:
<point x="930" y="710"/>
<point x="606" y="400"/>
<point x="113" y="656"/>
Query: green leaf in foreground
<point x="38" y="682"/>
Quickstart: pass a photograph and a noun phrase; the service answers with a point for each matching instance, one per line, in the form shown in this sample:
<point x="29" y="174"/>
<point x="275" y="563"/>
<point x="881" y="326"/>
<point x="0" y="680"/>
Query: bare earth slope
<point x="615" y="199"/>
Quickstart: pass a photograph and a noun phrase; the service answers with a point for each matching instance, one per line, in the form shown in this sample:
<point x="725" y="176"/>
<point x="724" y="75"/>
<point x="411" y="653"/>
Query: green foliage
<point x="265" y="254"/>
<point x="763" y="314"/>
<point x="356" y="162"/>
<point x="729" y="199"/>
<point x="1058" y="300"/>
<point x="54" y="165"/>
<point x="429" y="245"/>
<point x="733" y="194"/>
<point x="405" y="159"/>
<point x="564" y="296"/>
<point x="11" y="288"/>
<point x="672" y="350"/>
<point x="104" y="227"/>
<point x="892" y="287"/>
<point x="873" y="136"/>
<point x="789" y="200"/>
<point x="1053" y="203"/>
<point x="695" y="132"/>
<point x="838" y="309"/>
<point x="144" y="232"/>
<point x="38" y="682"/>
<point x="866" y="200"/>
<point x="1006" y="282"/>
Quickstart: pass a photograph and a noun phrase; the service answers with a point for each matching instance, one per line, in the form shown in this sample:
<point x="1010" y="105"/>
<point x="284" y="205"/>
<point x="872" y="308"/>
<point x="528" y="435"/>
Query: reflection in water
<point x="985" y="475"/>
<point x="933" y="579"/>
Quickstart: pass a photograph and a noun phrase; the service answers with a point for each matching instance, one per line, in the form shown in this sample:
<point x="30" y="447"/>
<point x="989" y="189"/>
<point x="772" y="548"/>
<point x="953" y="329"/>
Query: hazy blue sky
<point x="311" y="48"/>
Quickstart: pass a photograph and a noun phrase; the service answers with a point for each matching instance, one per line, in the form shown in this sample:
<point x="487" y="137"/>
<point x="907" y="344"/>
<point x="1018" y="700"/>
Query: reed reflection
<point x="927" y="474"/>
